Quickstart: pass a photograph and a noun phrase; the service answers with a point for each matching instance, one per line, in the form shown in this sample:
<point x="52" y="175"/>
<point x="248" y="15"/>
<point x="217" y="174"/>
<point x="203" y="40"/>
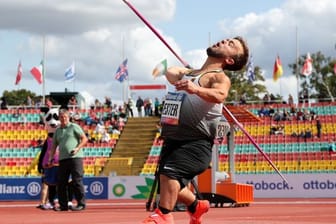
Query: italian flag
<point x="37" y="72"/>
<point x="160" y="69"/>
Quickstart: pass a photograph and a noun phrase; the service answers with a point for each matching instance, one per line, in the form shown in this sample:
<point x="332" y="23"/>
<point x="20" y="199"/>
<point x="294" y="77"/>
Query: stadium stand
<point x="18" y="153"/>
<point x="291" y="154"/>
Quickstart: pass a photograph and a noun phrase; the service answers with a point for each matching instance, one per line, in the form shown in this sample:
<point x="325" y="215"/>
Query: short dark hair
<point x="240" y="60"/>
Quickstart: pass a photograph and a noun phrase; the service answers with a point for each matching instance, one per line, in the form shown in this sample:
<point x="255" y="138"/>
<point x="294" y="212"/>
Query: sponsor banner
<point x="30" y="188"/>
<point x="298" y="186"/>
<point x="96" y="187"/>
<point x="129" y="187"/>
<point x="265" y="186"/>
<point x="20" y="188"/>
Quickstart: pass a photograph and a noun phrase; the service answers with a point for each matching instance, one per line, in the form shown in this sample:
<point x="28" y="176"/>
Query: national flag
<point x="122" y="72"/>
<point x="70" y="73"/>
<point x="307" y="68"/>
<point x="37" y="72"/>
<point x="18" y="74"/>
<point x="160" y="69"/>
<point x="277" y="70"/>
<point x="250" y="71"/>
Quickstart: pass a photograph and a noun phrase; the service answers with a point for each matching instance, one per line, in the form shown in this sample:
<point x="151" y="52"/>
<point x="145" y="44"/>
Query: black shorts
<point x="183" y="160"/>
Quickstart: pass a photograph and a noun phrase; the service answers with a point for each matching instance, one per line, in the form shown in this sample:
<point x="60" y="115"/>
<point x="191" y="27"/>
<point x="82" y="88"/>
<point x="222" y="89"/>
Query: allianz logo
<point x="33" y="189"/>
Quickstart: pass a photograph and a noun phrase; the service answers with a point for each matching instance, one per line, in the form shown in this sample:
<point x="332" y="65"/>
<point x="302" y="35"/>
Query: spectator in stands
<point x="122" y="111"/>
<point x="16" y="115"/>
<point x="308" y="134"/>
<point x="99" y="130"/>
<point x="38" y="103"/>
<point x="267" y="99"/>
<point x="271" y="111"/>
<point x="114" y="110"/>
<point x="301" y="98"/>
<point x="91" y="118"/>
<point x="242" y="99"/>
<point x="72" y="104"/>
<point x="306" y="115"/>
<point x="97" y="104"/>
<point x="290" y="100"/>
<point x="139" y="105"/>
<point x="108" y="102"/>
<point x="273" y="129"/>
<point x="292" y="111"/>
<point x="148" y="107"/>
<point x="299" y="115"/>
<point x="277" y="130"/>
<point x="277" y="115"/>
<point x="156" y="106"/>
<point x="281" y="130"/>
<point x="48" y="102"/>
<point x="313" y="115"/>
<point x="286" y="115"/>
<point x="29" y="102"/>
<point x="113" y="123"/>
<point x="4" y="105"/>
<point x="331" y="146"/>
<point x="318" y="128"/>
<point x="129" y="107"/>
<point x="263" y="112"/>
<point x="106" y="137"/>
<point x="77" y="116"/>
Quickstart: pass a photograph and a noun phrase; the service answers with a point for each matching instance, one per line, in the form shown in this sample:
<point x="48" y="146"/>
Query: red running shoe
<point x="201" y="208"/>
<point x="158" y="218"/>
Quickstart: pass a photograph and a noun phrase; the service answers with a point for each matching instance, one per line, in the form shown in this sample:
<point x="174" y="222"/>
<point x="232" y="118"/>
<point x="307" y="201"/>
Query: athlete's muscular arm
<point x="174" y="74"/>
<point x="214" y="88"/>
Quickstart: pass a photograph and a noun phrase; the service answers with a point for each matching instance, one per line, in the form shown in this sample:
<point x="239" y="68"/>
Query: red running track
<point x="261" y="211"/>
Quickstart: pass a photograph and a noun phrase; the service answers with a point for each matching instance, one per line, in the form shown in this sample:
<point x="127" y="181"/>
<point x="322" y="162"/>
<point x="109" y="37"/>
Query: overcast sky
<point x="98" y="35"/>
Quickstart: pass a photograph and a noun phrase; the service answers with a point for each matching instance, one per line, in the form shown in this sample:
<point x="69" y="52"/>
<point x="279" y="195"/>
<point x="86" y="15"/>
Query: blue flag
<point x="70" y="73"/>
<point x="122" y="72"/>
<point x="250" y="71"/>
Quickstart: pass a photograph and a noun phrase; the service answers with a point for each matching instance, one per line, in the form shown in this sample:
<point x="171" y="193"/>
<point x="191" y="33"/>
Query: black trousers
<point x="70" y="168"/>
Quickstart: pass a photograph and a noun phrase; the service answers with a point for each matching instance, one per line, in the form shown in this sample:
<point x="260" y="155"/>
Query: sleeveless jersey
<point x="188" y="116"/>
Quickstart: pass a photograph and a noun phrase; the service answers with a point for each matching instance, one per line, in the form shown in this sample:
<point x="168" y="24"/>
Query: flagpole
<point x="43" y="70"/>
<point x="297" y="66"/>
<point x="74" y="81"/>
<point x="122" y="59"/>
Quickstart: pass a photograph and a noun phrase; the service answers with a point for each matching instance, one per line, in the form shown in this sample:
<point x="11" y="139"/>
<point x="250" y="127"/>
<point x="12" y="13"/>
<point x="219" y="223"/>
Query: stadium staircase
<point x="132" y="148"/>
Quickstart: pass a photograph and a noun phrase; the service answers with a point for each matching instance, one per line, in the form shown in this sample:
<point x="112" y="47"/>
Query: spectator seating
<point x="17" y="154"/>
<point x="290" y="154"/>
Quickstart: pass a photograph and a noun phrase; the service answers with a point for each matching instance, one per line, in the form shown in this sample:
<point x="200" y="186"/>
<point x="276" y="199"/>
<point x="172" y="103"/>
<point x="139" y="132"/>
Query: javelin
<point x="227" y="110"/>
<point x="254" y="142"/>
<point x="156" y="33"/>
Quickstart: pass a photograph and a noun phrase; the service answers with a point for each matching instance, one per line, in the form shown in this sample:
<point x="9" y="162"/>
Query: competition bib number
<point x="222" y="128"/>
<point x="171" y="108"/>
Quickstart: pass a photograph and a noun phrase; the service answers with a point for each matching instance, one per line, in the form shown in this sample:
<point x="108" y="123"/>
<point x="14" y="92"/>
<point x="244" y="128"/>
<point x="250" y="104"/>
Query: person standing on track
<point x="191" y="119"/>
<point x="70" y="138"/>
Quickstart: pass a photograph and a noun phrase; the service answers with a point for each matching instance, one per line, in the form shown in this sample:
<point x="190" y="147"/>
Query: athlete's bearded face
<point x="214" y="52"/>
